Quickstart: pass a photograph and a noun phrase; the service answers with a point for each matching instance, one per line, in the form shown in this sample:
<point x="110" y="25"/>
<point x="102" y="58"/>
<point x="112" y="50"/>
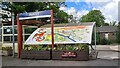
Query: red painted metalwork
<point x="20" y="37"/>
<point x="25" y="22"/>
<point x="52" y="28"/>
<point x="19" y="31"/>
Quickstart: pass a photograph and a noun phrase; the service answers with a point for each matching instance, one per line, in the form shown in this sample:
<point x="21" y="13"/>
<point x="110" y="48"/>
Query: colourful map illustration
<point x="62" y="35"/>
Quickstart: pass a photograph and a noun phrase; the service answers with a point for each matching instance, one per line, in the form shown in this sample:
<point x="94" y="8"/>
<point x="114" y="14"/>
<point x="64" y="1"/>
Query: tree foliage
<point x="113" y="23"/>
<point x="94" y="16"/>
<point x="60" y="16"/>
<point x="118" y="34"/>
<point x="106" y="24"/>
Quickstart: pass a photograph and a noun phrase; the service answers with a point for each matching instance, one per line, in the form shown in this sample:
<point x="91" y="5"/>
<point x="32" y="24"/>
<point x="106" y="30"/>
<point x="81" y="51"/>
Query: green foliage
<point x="102" y="41"/>
<point x="106" y="24"/>
<point x="94" y="16"/>
<point x="113" y="23"/>
<point x="19" y="7"/>
<point x="82" y="47"/>
<point x="59" y="47"/>
<point x="97" y="38"/>
<point x="7" y="48"/>
<point x="37" y="47"/>
<point x="105" y="41"/>
<point x="63" y="16"/>
<point x="118" y="34"/>
<point x="34" y="6"/>
<point x="69" y="47"/>
<point x="78" y="47"/>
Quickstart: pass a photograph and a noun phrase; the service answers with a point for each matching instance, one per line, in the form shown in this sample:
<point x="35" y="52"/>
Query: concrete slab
<point x="111" y="55"/>
<point x="115" y="48"/>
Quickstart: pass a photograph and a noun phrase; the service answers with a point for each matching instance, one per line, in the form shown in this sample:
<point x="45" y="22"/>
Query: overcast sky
<point x="78" y="8"/>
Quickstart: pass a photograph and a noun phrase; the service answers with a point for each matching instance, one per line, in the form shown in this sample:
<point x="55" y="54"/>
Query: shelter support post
<point x="95" y="35"/>
<point x="20" y="37"/>
<point x="2" y="29"/>
<point x="13" y="35"/>
<point x="52" y="28"/>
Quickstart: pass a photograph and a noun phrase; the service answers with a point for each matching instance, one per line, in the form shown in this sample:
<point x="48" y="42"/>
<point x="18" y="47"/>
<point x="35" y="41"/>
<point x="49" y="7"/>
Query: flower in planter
<point x="76" y="48"/>
<point x="29" y="48"/>
<point x="82" y="46"/>
<point x="49" y="47"/>
<point x="54" y="48"/>
<point x="37" y="47"/>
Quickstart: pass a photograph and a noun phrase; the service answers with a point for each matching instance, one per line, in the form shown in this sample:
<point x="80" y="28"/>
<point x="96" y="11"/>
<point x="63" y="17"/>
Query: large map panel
<point x="62" y="35"/>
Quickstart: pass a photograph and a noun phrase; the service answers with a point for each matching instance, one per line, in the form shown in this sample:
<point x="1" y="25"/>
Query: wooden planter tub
<point x="75" y="55"/>
<point x="7" y="52"/>
<point x="35" y="54"/>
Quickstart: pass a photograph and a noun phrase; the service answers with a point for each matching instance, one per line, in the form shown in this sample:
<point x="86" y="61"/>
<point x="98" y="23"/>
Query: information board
<point x="62" y="35"/>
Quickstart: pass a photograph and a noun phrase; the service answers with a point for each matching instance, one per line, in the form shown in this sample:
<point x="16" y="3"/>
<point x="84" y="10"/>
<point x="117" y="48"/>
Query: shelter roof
<point x="70" y="24"/>
<point x="106" y="29"/>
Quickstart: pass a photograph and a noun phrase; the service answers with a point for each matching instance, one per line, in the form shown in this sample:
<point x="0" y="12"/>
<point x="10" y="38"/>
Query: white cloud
<point x="97" y="0"/>
<point x="110" y="11"/>
<point x="76" y="13"/>
<point x="62" y="8"/>
<point x="81" y="13"/>
<point x="88" y="0"/>
<point x="71" y="11"/>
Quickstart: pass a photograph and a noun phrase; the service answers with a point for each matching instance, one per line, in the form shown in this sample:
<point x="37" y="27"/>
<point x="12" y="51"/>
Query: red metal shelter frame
<point x="20" y="37"/>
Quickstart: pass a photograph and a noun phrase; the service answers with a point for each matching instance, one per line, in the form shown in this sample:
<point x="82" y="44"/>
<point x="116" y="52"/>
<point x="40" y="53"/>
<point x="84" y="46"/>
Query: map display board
<point x="62" y="35"/>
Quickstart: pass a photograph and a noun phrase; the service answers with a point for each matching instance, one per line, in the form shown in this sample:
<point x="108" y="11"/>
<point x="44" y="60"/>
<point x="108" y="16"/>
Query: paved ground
<point x="110" y="55"/>
<point x="101" y="61"/>
<point x="0" y="61"/>
<point x="107" y="56"/>
<point x="108" y="47"/>
<point x="8" y="61"/>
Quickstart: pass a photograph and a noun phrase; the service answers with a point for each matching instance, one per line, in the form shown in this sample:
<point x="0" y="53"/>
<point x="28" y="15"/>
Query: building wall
<point x="111" y="35"/>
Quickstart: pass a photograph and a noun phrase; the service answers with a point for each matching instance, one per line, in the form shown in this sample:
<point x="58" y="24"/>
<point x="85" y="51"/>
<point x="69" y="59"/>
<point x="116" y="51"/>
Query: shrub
<point x="97" y="39"/>
<point x="118" y="34"/>
<point x="36" y="47"/>
<point x="105" y="41"/>
<point x="75" y="47"/>
<point x="7" y="48"/>
<point x="57" y="47"/>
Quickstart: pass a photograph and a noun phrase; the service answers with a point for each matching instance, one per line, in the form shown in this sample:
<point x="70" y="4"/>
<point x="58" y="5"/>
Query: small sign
<point x="69" y="55"/>
<point x="31" y="15"/>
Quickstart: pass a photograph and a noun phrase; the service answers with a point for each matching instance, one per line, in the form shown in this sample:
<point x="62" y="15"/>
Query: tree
<point x="113" y="23"/>
<point x="118" y="33"/>
<point x="106" y="24"/>
<point x="94" y="16"/>
<point x="60" y="16"/>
